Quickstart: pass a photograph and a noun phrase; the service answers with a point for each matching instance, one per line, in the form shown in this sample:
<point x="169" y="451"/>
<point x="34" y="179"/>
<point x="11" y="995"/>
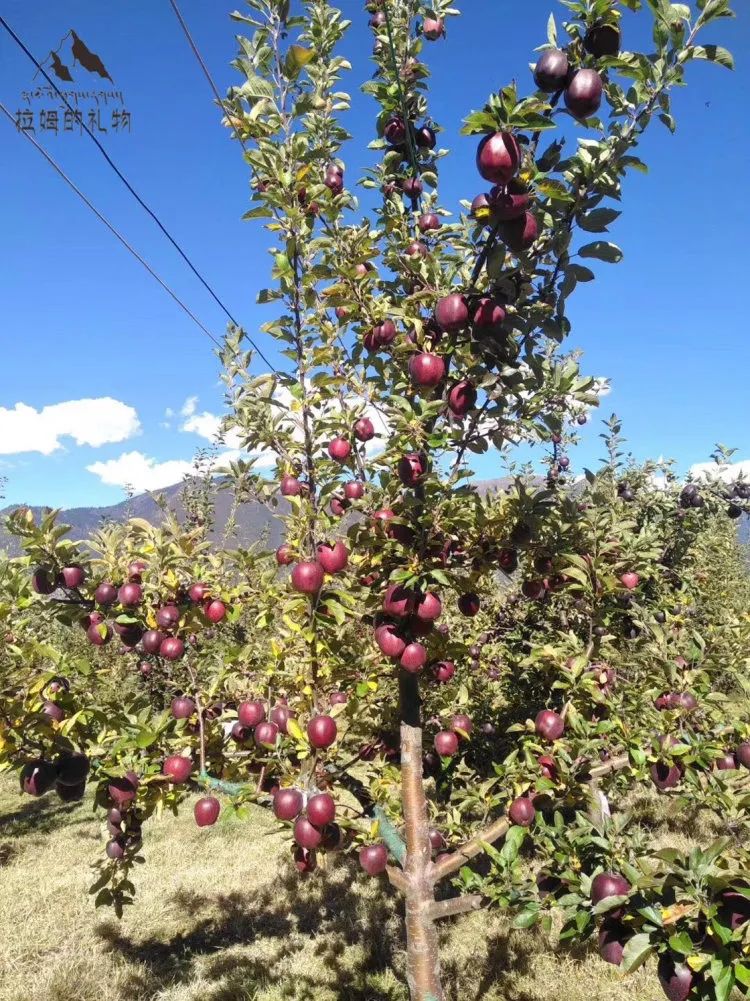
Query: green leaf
<point x="636" y="952"/>
<point x="602" y="251"/>
<point x="145" y="738"/>
<point x="713" y="53"/>
<point x="723" y="978"/>
<point x="682" y="943"/>
<point x="597" y="220"/>
<point x="512" y="844"/>
<point x="526" y="918"/>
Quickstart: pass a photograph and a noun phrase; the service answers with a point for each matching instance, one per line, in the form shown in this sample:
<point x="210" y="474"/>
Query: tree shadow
<point x="281" y="919"/>
<point x="41" y="816"/>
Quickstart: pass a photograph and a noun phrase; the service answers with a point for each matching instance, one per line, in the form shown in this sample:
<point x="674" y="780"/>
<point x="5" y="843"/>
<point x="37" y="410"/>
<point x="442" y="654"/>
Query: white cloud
<point x="189" y="406"/>
<point x="208" y="426"/>
<point x="91" y="422"/>
<point x="727" y="472"/>
<point x="139" y="471"/>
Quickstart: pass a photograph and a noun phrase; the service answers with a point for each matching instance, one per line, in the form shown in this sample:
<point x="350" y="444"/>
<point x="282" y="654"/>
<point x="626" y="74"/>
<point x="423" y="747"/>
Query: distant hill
<point x="253" y="520"/>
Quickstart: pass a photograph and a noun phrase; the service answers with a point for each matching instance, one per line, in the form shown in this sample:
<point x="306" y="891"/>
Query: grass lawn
<point x="221" y="915"/>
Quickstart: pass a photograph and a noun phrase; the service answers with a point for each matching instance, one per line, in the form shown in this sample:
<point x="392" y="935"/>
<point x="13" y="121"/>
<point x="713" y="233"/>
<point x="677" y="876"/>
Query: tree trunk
<point x="422" y="954"/>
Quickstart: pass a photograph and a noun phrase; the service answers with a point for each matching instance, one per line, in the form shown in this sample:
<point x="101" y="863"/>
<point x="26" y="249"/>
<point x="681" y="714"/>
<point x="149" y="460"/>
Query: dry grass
<point x="220" y="915"/>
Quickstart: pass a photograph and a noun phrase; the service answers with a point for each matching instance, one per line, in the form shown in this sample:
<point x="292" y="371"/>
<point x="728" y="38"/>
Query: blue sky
<point x="82" y="320"/>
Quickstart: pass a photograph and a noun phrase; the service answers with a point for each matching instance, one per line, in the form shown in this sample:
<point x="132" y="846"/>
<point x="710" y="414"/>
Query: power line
<point x="202" y="63"/>
<point x="130" y="188"/>
<point x="119" y="173"/>
<point x="109" y="225"/>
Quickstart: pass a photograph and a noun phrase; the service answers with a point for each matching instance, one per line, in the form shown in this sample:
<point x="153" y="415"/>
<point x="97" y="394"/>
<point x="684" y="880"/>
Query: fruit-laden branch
<point x="449" y="864"/>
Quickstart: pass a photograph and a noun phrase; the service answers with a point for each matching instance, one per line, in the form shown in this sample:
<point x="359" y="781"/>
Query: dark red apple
<point x="446" y="743"/>
<point x="412" y="186"/>
<point x="608" y="884"/>
<point x="498" y="157"/>
<point x="373" y="859"/>
<point x="395" y="130"/>
<point x="417" y="249"/>
<point x="168" y="616"/>
<point x="206" y="811"/>
<point x="676" y="979"/>
<point x="305" y="861"/>
<point x="428" y="222"/>
<point x="364" y="429"/>
<point x="426" y="138"/>
<point x="72" y="768"/>
<point x="489" y="316"/>
<point x="520" y="233"/>
<point x="339" y="449"/>
<point x="152" y="640"/>
<point x="726" y="763"/>
<point x="37" y="777"/>
<point x="307" y="577"/>
<point x="533" y="589"/>
<point x="390" y="643"/>
<point x="426" y="369"/>
<point x="428" y="607"/>
<point x="266" y="734"/>
<point x="251" y="713"/>
<point x="630" y="580"/>
<point x="462" y="724"/>
<point x="549" y="725"/>
<point x="333" y="558"/>
<point x="43" y="581"/>
<point x="338" y="698"/>
<point x="115" y="849"/>
<point x="215" y="611"/>
<point x="99" y="634"/>
<point x="288" y="803"/>
<point x="70" y="793"/>
<point x="105" y="594"/>
<point x="509" y="201"/>
<point x="198" y="593"/>
<point x="469" y="604"/>
<point x="177" y="768"/>
<point x="414" y="658"/>
<point x="521" y="811"/>
<point x="602" y="40"/>
<point x="443" y="671"/>
<point x="433" y="28"/>
<point x="280" y="715"/>
<point x="613" y="936"/>
<point x="665" y="775"/>
<point x="290" y="486"/>
<point x="551" y="71"/>
<point x="734" y="910"/>
<point x="462" y="397"/>
<point x="122" y="790"/>
<point x="284" y="555"/>
<point x="399" y="601"/>
<point x="743" y="754"/>
<point x="53" y="711"/>
<point x="480" y="208"/>
<point x="354" y="490"/>
<point x="172" y="648"/>
<point x="548" y="767"/>
<point x="305" y="834"/>
<point x="321" y="809"/>
<point x="322" y="731"/>
<point x="412" y="468"/>
<point x="130" y="594"/>
<point x="182" y="707"/>
<point x="584" y="93"/>
<point x="73" y="576"/>
<point x="452" y="312"/>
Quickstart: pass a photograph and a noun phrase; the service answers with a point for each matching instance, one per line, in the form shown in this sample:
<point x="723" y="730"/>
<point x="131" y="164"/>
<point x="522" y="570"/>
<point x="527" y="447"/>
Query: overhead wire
<point x="130" y="188"/>
<point x="109" y="225"/>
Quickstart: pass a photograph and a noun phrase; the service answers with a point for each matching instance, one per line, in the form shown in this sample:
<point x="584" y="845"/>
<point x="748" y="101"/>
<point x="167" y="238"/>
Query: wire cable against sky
<point x="135" y="195"/>
<point x="119" y="173"/>
<point x="109" y="226"/>
<point x="202" y="62"/>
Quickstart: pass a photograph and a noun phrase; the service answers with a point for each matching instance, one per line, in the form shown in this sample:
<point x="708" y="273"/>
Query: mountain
<point x="254" y="521"/>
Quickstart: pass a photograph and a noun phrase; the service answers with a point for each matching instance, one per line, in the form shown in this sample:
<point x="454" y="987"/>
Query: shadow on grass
<point x="282" y="918"/>
<point x="42" y="816"/>
<point x="351" y="938"/>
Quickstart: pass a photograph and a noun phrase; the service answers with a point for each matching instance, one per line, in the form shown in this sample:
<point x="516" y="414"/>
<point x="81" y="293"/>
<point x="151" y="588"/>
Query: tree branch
<point x="455" y="905"/>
